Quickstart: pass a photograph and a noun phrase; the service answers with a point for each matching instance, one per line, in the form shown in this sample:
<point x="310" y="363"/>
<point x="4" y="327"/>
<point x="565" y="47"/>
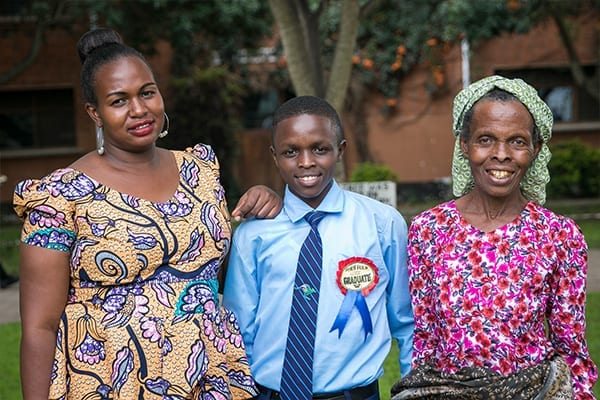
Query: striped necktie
<point x="297" y="374"/>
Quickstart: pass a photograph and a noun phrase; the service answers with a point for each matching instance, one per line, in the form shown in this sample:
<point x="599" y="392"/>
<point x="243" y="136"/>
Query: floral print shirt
<point x="483" y="298"/>
<point x="143" y="318"/>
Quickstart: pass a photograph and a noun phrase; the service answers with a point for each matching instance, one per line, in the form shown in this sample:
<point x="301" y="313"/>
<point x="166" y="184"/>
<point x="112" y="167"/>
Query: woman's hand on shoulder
<point x="259" y="201"/>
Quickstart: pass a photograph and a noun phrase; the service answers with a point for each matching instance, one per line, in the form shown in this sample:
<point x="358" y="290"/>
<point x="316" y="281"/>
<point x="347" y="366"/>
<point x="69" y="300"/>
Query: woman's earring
<point x="99" y="140"/>
<point x="165" y="130"/>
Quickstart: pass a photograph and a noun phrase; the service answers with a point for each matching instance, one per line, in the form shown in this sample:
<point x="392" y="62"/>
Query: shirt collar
<point x="296" y="208"/>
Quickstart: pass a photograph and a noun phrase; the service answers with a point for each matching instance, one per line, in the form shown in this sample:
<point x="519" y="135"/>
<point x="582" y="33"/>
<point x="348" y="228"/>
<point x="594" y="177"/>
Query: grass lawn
<point x="10" y="384"/>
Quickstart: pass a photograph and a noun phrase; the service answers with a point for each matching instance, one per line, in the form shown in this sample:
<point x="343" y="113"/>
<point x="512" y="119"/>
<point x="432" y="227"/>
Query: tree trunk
<point x="309" y="22"/>
<point x="590" y="85"/>
<point x="358" y="120"/>
<point x="291" y="25"/>
<point x="341" y="69"/>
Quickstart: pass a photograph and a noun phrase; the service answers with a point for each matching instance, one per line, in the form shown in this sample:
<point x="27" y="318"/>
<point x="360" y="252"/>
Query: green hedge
<point x="371" y="172"/>
<point x="574" y="170"/>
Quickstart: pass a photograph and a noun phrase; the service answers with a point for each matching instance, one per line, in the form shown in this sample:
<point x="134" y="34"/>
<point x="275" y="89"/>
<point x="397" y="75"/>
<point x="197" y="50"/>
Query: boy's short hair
<point x="308" y="105"/>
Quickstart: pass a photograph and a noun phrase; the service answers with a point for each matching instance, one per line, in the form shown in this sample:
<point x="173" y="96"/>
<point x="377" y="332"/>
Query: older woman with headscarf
<point x="498" y="281"/>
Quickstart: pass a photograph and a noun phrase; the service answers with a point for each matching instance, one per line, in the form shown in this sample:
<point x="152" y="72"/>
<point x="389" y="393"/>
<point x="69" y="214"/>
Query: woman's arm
<point x="43" y="289"/>
<point x="421" y="252"/>
<point x="566" y="313"/>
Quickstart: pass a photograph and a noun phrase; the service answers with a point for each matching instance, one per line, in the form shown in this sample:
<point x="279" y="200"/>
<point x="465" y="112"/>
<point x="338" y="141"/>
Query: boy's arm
<point x="240" y="292"/>
<point x="399" y="307"/>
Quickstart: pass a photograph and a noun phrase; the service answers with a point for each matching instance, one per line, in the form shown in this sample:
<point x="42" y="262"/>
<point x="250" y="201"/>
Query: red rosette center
<point x="358" y="274"/>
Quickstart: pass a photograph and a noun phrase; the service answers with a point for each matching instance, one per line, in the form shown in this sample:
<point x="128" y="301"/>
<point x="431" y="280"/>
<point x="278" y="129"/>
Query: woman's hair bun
<point x="94" y="39"/>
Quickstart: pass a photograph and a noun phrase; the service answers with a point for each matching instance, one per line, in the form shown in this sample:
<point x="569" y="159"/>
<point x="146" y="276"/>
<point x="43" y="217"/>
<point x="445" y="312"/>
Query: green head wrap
<point x="533" y="185"/>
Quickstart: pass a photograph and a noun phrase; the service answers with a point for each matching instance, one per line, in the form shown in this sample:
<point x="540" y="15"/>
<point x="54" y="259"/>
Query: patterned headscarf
<point x="533" y="185"/>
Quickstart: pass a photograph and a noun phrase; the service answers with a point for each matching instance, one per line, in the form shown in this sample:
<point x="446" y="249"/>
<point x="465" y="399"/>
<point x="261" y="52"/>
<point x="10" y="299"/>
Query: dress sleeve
<point x="421" y="245"/>
<point x="566" y="313"/>
<point x="47" y="215"/>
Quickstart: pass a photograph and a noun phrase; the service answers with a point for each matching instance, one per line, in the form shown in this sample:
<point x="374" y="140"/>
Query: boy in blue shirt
<point x="362" y="298"/>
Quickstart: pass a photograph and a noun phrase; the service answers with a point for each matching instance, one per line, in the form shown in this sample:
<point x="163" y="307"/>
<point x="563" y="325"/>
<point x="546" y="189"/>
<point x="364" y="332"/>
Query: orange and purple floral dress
<point x="143" y="319"/>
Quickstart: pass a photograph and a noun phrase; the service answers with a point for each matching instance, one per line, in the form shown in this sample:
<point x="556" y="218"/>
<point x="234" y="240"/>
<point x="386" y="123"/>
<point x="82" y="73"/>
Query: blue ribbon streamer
<point x="353" y="299"/>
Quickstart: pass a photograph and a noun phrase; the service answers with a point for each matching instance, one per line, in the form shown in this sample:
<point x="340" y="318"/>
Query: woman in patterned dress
<point x="120" y="253"/>
<point x="498" y="281"/>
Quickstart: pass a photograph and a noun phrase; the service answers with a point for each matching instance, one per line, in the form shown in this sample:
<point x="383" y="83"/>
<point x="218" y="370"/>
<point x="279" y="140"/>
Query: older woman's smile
<point x="500" y="174"/>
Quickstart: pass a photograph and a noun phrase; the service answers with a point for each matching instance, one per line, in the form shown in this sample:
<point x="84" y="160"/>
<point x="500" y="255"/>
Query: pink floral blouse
<point x="481" y="298"/>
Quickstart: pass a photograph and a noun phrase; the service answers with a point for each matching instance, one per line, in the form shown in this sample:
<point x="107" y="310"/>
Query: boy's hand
<point x="259" y="201"/>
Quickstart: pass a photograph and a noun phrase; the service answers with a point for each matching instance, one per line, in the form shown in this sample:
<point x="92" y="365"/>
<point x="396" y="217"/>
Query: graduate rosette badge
<point x="356" y="278"/>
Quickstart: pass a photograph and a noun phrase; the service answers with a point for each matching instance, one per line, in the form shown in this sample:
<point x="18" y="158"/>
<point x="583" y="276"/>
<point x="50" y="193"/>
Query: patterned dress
<point x="143" y="319"/>
<point x="482" y="298"/>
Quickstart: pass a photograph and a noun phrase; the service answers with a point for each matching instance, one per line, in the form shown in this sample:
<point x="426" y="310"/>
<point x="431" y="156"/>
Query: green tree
<point x="308" y="29"/>
<point x="217" y="93"/>
<point x="200" y="32"/>
<point x="299" y="24"/>
<point x="341" y="50"/>
<point x="206" y="38"/>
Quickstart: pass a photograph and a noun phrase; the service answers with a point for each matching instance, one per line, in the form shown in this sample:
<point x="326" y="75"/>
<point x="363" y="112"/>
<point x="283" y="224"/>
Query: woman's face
<point x="500" y="148"/>
<point x="130" y="108"/>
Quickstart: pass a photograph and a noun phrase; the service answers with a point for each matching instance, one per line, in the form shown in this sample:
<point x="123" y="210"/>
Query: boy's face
<point x="305" y="150"/>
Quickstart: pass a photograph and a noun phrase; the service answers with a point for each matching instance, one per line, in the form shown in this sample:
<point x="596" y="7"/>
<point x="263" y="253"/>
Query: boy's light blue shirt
<point x="260" y="280"/>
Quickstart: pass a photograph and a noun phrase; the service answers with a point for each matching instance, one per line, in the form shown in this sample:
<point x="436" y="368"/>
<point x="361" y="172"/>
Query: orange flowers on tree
<point x="282" y="62"/>
<point x="513" y="5"/>
<point x="367" y="63"/>
<point x="431" y="42"/>
<point x="438" y="76"/>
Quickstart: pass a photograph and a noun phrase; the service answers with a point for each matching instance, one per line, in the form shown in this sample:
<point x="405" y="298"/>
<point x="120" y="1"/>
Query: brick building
<point x="43" y="124"/>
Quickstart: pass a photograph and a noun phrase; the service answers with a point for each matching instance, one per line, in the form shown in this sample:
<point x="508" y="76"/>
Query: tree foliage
<point x="206" y="109"/>
<point x="387" y="40"/>
<point x="399" y="34"/>
<point x="574" y="170"/>
<point x="205" y="100"/>
<point x="337" y="49"/>
<point x="394" y="36"/>
<point x="201" y="33"/>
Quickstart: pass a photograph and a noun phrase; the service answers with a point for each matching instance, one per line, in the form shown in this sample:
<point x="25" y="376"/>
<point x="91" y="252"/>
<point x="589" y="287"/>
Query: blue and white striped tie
<point x="297" y="374"/>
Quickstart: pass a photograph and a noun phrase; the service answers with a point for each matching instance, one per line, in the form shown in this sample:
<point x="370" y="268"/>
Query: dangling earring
<point x="165" y="131"/>
<point x="99" y="140"/>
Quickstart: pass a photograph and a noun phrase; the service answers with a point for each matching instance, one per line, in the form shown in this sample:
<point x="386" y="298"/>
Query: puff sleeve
<point x="47" y="211"/>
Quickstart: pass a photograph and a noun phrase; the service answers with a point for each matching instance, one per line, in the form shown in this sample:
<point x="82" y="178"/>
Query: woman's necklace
<point x="493" y="215"/>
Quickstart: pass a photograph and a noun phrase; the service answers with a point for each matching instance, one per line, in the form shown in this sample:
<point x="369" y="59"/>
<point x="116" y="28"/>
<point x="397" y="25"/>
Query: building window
<point x="36" y="119"/>
<point x="560" y="101"/>
<point x="568" y="102"/>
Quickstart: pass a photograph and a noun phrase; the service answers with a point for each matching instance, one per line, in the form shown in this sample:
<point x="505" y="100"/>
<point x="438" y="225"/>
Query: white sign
<point x="384" y="191"/>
